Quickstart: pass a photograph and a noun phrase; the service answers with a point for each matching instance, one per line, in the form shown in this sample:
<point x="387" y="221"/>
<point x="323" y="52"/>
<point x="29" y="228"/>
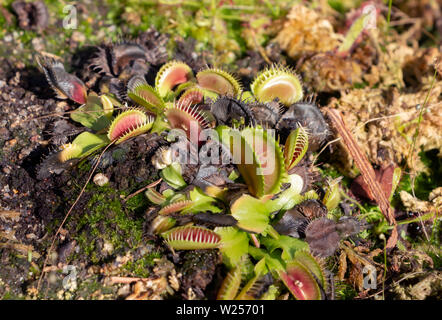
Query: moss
<point x="107" y="220"/>
<point x="344" y="291"/>
<point x="84" y="166"/>
<point x="141" y="267"/>
<point x="138" y="203"/>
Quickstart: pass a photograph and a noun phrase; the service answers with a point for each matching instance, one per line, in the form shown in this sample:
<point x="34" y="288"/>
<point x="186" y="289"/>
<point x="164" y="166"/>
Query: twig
<point x="61" y="114"/>
<point x="125" y="280"/>
<point x="153" y="184"/>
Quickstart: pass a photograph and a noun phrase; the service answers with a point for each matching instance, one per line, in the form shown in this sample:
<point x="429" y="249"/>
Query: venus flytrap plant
<point x="154" y="196"/>
<point x="332" y="196"/>
<point x="256" y="287"/>
<point x="65" y="85"/>
<point x="172" y="175"/>
<point x="69" y="151"/>
<point x="161" y="224"/>
<point x="191" y="96"/>
<point x="145" y="95"/>
<point x="261" y="167"/>
<point x="267" y="168"/>
<point x="93" y="114"/>
<point x="175" y="207"/>
<point x="128" y="124"/>
<point x="300" y="281"/>
<point x="230" y="286"/>
<point x="170" y="75"/>
<point x="187" y="117"/>
<point x="191" y="238"/>
<point x="82" y="146"/>
<point x="295" y="147"/>
<point x="278" y="82"/>
<point x="218" y="81"/>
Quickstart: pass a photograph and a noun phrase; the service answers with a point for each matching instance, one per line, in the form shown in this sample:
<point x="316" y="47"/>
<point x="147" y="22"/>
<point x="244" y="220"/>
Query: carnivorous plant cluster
<point x="234" y="164"/>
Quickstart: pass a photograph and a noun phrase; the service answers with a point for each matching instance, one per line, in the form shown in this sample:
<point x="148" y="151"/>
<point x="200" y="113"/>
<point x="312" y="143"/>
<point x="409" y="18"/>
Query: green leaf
<point x="159" y="125"/>
<point x="172" y="175"/>
<point x="252" y="213"/>
<point x="201" y="202"/>
<point x="90" y="142"/>
<point x="288" y="245"/>
<point x="91" y="114"/>
<point x="273" y="262"/>
<point x="289" y="197"/>
<point x="234" y="245"/>
<point x="261" y="268"/>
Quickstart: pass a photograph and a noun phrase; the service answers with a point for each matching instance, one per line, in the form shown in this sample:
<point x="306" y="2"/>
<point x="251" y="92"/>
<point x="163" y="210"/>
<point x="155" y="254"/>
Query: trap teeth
<point x="145" y="95"/>
<point x="175" y="207"/>
<point x="129" y="124"/>
<point x="191" y="238"/>
<point x="218" y="81"/>
<point x="170" y="75"/>
<point x="186" y="117"/>
<point x="278" y="82"/>
<point x="191" y="96"/>
<point x="295" y="148"/>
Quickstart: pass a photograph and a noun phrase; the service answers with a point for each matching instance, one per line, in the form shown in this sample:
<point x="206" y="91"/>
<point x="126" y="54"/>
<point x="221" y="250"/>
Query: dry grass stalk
<point x="367" y="171"/>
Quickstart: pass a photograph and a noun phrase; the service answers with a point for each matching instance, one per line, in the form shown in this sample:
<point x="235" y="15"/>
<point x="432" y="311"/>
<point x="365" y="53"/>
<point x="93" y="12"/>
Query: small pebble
<point x="100" y="179"/>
